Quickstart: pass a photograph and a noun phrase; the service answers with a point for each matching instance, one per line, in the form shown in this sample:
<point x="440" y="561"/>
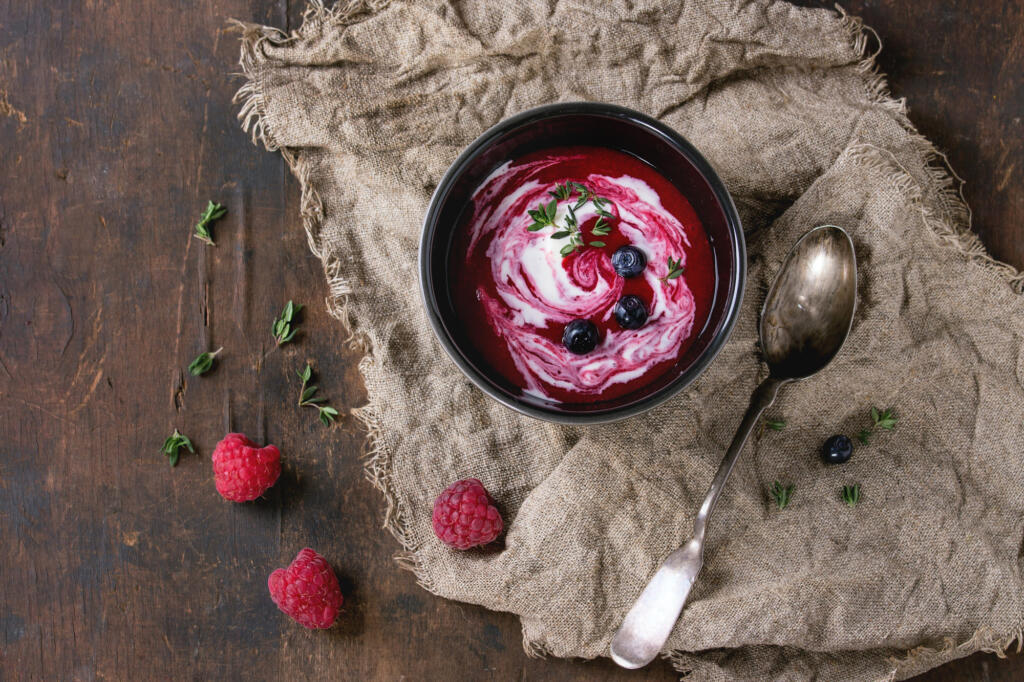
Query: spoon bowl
<point x="805" y="320"/>
<point x="809" y="308"/>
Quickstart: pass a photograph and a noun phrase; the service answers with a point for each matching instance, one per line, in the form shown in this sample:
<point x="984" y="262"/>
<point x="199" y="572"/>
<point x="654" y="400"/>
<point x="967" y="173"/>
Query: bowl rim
<point x="734" y="298"/>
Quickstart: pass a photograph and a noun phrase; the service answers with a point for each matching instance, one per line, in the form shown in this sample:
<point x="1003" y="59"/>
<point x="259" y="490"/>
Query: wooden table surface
<point x="116" y="125"/>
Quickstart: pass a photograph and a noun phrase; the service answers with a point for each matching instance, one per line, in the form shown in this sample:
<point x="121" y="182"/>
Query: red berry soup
<point x="581" y="273"/>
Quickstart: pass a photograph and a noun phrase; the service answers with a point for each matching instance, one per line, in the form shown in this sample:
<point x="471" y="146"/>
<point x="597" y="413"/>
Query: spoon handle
<point x="762" y="398"/>
<point x="650" y="621"/>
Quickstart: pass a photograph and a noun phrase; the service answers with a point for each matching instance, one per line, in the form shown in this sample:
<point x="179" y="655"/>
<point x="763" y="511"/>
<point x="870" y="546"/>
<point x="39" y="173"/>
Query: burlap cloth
<point x="370" y="104"/>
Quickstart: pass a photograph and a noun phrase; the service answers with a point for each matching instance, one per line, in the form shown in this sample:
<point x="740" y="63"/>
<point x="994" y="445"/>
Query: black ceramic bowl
<point x="602" y="125"/>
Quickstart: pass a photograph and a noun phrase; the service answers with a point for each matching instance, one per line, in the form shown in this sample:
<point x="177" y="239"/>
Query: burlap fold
<point x="370" y="102"/>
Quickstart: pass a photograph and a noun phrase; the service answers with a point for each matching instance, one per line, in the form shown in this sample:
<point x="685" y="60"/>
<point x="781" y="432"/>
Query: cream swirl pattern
<point x="536" y="291"/>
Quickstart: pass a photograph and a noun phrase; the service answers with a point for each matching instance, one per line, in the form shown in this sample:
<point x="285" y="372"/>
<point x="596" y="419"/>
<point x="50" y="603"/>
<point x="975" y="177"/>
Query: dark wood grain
<point x="116" y="125"/>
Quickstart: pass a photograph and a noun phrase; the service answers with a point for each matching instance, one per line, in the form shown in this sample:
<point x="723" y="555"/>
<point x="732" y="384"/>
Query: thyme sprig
<point x="175" y="442"/>
<point x="286" y="325"/>
<point x="775" y="424"/>
<point x="883" y="420"/>
<point x="572" y="231"/>
<point x="308" y="398"/>
<point x="545" y="215"/>
<point x="203" y="362"/>
<point x="781" y="494"/>
<point x="675" y="269"/>
<point x="880" y="419"/>
<point x="851" y="494"/>
<point x="202" y="230"/>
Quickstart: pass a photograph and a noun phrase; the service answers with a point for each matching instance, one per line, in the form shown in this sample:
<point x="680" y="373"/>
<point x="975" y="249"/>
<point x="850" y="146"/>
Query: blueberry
<point x="629" y="261"/>
<point x="836" y="450"/>
<point x="580" y="337"/>
<point x="630" y="312"/>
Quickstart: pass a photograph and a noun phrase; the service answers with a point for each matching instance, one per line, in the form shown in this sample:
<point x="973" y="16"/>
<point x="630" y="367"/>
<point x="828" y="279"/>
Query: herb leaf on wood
<point x="212" y="213"/>
<point x="175" y="442"/>
<point x="308" y="397"/>
<point x="286" y="325"/>
<point x="203" y="362"/>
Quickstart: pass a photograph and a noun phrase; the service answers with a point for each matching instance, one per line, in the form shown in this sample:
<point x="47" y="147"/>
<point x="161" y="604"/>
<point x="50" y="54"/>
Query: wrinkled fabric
<point x="370" y="103"/>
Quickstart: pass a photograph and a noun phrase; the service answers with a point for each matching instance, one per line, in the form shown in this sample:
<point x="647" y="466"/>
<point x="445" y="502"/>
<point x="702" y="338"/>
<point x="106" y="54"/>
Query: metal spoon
<point x="804" y="322"/>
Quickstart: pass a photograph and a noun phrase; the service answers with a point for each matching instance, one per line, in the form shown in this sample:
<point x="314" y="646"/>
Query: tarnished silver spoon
<point x="804" y="322"/>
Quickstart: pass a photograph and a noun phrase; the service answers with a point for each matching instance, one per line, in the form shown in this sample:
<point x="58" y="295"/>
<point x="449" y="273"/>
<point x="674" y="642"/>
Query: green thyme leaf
<point x="307" y="399"/>
<point x="560" y="234"/>
<point x="285" y="327"/>
<point x="561" y="192"/>
<point x="880" y="419"/>
<point x="584" y="194"/>
<point x="781" y="494"/>
<point x="851" y="494"/>
<point x="597" y="244"/>
<point x="570" y="217"/>
<point x="675" y="269"/>
<point x="567" y="249"/>
<point x="202" y="229"/>
<point x="175" y="442"/>
<point x="775" y="424"/>
<point x="203" y="362"/>
<point x="883" y="420"/>
<point x="327" y="415"/>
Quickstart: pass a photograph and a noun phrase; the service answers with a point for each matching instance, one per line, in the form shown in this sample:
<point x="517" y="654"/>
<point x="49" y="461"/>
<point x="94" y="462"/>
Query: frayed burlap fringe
<point x="957" y="234"/>
<point x="533" y="648"/>
<point x="953" y="227"/>
<point x="922" y="658"/>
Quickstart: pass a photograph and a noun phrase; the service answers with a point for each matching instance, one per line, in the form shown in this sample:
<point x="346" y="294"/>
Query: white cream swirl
<point x="537" y="289"/>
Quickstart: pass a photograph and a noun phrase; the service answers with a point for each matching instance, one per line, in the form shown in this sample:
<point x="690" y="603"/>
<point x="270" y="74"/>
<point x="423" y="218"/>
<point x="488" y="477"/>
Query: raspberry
<point x="242" y="470"/>
<point x="307" y="590"/>
<point x="465" y="515"/>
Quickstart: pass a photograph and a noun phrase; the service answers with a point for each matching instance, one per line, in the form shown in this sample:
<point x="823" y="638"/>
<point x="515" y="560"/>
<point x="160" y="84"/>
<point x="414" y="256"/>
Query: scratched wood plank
<point x="116" y="126"/>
